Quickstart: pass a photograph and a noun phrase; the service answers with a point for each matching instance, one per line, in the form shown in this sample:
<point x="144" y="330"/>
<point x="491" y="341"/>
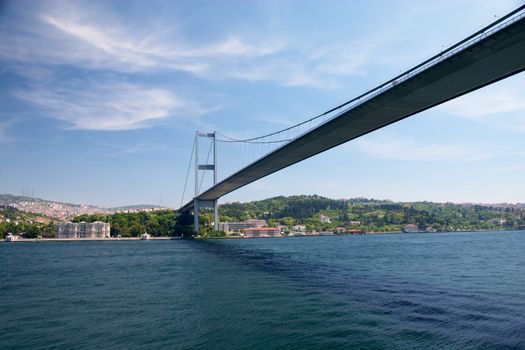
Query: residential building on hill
<point x="324" y="219"/>
<point x="299" y="228"/>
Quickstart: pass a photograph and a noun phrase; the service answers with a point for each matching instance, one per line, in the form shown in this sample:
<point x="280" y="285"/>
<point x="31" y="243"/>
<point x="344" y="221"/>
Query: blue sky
<point x="100" y="100"/>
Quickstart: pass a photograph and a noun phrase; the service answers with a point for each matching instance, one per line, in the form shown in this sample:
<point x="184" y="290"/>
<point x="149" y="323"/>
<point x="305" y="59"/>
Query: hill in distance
<point x="61" y="210"/>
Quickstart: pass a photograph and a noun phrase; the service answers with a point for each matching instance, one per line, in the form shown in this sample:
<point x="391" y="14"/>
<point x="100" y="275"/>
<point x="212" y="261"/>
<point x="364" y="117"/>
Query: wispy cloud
<point x="404" y="148"/>
<point x="319" y="67"/>
<point x="488" y="101"/>
<point x="261" y="186"/>
<point x="104" y="106"/>
<point x="80" y="37"/>
<point x="121" y="48"/>
<point x="139" y="148"/>
<point x="509" y="168"/>
<point x="58" y="38"/>
<point x="4" y="136"/>
<point x="280" y="121"/>
<point x="501" y="105"/>
<point x="517" y="163"/>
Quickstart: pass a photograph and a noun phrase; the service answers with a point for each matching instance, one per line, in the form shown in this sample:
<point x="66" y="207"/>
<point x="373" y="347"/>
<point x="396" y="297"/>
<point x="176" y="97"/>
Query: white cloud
<point x="404" y="148"/>
<point x="104" y="106"/>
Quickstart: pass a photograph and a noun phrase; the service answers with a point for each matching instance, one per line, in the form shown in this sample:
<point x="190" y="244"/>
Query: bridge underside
<point x="491" y="59"/>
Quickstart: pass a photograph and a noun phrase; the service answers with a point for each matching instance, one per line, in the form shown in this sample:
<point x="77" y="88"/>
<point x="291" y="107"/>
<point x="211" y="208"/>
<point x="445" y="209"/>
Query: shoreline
<point x="176" y="238"/>
<point x="111" y="239"/>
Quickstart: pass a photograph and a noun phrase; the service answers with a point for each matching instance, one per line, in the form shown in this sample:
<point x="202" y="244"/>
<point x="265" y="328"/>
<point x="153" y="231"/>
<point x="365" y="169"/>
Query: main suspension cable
<point x="229" y="139"/>
<point x="188" y="172"/>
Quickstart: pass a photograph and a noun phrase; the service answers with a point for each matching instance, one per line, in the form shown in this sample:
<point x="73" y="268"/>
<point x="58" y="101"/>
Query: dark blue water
<point x="428" y="291"/>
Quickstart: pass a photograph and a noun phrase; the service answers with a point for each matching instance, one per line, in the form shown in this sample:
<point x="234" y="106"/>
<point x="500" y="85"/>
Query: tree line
<point x="156" y="223"/>
<point x="359" y="213"/>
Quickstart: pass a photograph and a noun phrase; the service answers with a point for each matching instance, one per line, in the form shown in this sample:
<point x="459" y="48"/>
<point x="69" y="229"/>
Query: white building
<point x="324" y="219"/>
<point x="299" y="228"/>
<point x="96" y="229"/>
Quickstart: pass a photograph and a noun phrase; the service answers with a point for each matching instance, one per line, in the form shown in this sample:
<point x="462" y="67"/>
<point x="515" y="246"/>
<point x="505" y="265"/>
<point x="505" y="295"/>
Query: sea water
<point x="400" y="291"/>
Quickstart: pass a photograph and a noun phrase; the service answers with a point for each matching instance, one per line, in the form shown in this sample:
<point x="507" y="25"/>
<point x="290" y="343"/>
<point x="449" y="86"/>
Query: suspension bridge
<point x="493" y="53"/>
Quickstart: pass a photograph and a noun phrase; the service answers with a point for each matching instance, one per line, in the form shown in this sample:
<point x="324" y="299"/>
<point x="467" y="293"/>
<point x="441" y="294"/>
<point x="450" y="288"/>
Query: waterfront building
<point x="96" y="229"/>
<point x="262" y="232"/>
<point x="240" y="226"/>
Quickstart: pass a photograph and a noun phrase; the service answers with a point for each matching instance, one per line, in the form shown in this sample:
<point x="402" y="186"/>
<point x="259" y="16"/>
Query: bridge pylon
<point x="197" y="204"/>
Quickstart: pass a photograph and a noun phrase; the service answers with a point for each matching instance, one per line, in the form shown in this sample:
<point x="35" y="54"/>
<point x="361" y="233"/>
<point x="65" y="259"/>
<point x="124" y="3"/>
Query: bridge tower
<point x="205" y="167"/>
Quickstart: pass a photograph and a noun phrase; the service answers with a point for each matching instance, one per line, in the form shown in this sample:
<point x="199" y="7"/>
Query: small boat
<point x="326" y="233"/>
<point x="145" y="236"/>
<point x="11" y="238"/>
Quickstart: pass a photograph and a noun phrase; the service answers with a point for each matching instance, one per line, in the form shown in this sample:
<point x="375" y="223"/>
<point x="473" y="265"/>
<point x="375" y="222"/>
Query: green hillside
<point x="374" y="215"/>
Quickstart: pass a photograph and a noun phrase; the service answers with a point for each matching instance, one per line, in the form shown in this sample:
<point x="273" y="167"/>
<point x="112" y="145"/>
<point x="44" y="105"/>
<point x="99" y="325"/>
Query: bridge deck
<point x="492" y="58"/>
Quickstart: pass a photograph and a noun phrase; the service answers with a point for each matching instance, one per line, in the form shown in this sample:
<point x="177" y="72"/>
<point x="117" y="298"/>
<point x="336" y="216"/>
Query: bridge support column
<point x="216" y="204"/>
<point x="216" y="215"/>
<point x="197" y="204"/>
<point x="196" y="215"/>
<point x="204" y="204"/>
